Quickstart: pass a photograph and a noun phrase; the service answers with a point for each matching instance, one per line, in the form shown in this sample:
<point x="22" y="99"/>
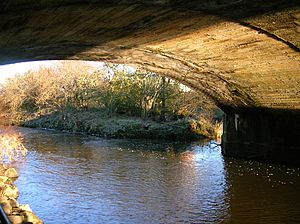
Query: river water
<point x="70" y="178"/>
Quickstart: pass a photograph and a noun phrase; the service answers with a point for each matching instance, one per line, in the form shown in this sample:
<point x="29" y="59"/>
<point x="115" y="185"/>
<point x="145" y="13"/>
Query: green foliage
<point x="69" y="88"/>
<point x="139" y="94"/>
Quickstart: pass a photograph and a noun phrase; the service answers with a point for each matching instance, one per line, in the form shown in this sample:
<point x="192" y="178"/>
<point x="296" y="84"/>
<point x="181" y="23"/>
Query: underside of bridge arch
<point x="243" y="54"/>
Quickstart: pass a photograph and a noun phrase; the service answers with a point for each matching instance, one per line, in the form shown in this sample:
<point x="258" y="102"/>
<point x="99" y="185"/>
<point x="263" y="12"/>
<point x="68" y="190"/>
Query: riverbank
<point x="95" y="123"/>
<point x="15" y="212"/>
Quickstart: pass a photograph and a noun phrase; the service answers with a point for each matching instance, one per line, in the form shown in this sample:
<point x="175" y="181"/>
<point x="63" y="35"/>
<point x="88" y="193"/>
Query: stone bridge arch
<point x="243" y="54"/>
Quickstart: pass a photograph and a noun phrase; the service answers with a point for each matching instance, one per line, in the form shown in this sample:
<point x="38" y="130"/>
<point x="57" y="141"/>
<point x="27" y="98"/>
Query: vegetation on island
<point x="113" y="101"/>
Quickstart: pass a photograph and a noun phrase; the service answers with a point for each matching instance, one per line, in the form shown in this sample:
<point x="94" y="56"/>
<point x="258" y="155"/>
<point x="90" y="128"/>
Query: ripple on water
<point x="75" y="178"/>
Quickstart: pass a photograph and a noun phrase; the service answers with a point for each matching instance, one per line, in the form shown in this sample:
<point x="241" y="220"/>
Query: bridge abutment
<point x="264" y="136"/>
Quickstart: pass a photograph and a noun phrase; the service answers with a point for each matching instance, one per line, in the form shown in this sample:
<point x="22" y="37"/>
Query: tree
<point x="79" y="87"/>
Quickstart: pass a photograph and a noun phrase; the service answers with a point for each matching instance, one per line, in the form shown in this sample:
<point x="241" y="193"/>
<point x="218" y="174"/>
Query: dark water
<point x="78" y="179"/>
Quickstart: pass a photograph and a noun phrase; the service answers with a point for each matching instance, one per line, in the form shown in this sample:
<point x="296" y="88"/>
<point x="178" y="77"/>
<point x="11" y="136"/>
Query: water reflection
<point x="74" y="178"/>
<point x="263" y="193"/>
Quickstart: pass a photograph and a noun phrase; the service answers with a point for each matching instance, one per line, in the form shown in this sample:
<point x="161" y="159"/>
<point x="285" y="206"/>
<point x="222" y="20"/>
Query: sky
<point x="8" y="71"/>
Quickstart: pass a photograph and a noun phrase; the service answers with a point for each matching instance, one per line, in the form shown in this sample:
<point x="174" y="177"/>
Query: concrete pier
<point x="263" y="136"/>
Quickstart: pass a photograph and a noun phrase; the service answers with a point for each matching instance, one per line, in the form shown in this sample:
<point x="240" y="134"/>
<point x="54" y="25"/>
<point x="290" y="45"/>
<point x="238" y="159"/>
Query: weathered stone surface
<point x="31" y="217"/>
<point x="7" y="208"/>
<point x="3" y="179"/>
<point x="16" y="219"/>
<point x="11" y="173"/>
<point x="3" y="200"/>
<point x="11" y="191"/>
<point x="13" y="202"/>
<point x="240" y="53"/>
<point x="25" y="208"/>
<point x="2" y="169"/>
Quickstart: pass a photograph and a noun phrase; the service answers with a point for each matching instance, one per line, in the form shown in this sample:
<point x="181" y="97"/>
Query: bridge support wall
<point x="264" y="136"/>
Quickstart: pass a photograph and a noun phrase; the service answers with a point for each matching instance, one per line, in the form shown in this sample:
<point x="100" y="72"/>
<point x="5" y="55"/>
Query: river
<point x="69" y="178"/>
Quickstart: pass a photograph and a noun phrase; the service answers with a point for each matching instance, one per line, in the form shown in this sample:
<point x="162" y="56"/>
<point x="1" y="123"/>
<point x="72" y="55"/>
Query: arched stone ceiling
<point x="240" y="53"/>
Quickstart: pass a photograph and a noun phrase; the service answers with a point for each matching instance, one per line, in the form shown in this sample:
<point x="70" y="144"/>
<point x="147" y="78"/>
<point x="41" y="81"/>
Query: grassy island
<point x="114" y="102"/>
